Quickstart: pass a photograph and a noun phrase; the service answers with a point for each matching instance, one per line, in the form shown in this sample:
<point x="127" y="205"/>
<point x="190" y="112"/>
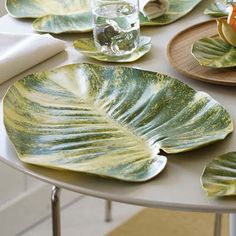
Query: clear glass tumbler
<point x="116" y="26"/>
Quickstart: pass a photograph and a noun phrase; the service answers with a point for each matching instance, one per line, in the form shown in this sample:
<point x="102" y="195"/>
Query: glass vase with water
<point x="116" y="26"/>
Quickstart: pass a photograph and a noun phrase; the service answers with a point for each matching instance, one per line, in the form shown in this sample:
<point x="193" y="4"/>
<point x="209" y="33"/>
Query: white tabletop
<point x="178" y="186"/>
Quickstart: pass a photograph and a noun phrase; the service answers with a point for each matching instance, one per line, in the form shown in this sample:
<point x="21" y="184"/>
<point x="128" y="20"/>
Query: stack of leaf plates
<point x="109" y="121"/>
<point x="56" y="16"/>
<point x="199" y="53"/>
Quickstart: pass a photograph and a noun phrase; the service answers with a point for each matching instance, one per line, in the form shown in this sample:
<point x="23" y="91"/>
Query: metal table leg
<point x="108" y="208"/>
<point x="232" y="224"/>
<point x="217" y="226"/>
<point x="55" y="202"/>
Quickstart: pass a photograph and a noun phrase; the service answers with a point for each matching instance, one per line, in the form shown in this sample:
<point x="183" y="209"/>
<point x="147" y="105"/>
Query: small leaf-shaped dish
<point x="219" y="176"/>
<point x="177" y="9"/>
<point x="214" y="52"/>
<point x="55" y="16"/>
<point x="87" y="47"/>
<point x="214" y="10"/>
<point x="109" y="121"/>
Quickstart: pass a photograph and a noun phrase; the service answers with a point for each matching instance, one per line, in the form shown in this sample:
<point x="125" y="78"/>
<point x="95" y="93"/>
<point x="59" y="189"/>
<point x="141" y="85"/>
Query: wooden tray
<point x="180" y="57"/>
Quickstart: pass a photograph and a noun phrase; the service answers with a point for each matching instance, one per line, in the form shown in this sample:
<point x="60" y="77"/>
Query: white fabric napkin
<point x="153" y="8"/>
<point x="19" y="52"/>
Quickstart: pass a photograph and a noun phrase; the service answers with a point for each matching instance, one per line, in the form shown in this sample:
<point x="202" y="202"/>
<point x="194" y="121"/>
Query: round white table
<point x="178" y="186"/>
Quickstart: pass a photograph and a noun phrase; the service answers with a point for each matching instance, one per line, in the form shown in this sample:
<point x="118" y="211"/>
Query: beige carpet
<point x="158" y="222"/>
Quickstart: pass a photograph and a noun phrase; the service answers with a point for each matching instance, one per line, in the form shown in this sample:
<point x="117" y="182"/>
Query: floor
<point x="83" y="216"/>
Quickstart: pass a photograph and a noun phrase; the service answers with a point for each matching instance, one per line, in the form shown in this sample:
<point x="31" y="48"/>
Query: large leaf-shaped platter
<point x="214" y="52"/>
<point x="109" y="121"/>
<point x="219" y="176"/>
<point x="55" y="16"/>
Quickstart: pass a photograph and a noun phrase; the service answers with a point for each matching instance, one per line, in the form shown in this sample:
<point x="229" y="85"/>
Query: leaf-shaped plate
<point x="214" y="52"/>
<point x="219" y="176"/>
<point x="55" y="16"/>
<point x="109" y="121"/>
<point x="87" y="47"/>
<point x="177" y="9"/>
<point x="70" y="23"/>
<point x="215" y="11"/>
<point x="38" y="8"/>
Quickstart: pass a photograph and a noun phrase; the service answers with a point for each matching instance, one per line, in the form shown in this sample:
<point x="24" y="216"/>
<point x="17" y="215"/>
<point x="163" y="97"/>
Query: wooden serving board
<point x="180" y="57"/>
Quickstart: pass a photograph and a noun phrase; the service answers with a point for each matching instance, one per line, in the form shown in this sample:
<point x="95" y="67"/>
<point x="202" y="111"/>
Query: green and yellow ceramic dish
<point x="214" y="52"/>
<point x="109" y="121"/>
<point x="55" y="16"/>
<point x="214" y="11"/>
<point x="71" y="23"/>
<point x="38" y="8"/>
<point x="87" y="47"/>
<point x="219" y="176"/>
<point x="177" y="9"/>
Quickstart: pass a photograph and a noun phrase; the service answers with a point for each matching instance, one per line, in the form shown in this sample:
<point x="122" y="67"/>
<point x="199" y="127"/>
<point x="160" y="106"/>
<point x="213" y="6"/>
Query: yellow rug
<point x="158" y="222"/>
